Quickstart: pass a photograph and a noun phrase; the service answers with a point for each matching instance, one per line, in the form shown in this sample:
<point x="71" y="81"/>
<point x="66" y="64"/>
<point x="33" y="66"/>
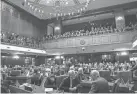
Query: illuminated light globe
<point x="57" y="28"/>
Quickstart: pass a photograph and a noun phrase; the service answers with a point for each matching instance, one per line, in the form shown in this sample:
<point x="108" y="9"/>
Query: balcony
<point x="93" y="40"/>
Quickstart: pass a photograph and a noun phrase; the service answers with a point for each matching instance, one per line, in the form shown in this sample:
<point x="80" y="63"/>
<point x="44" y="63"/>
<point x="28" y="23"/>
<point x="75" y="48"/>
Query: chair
<point x="105" y="74"/>
<point x="59" y="79"/>
<point x="4" y="90"/>
<point x="115" y="85"/>
<point x="85" y="87"/>
<point x="15" y="73"/>
<point x="35" y="80"/>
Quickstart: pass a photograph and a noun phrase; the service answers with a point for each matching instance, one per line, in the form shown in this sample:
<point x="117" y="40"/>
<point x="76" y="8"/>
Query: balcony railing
<point x="17" y="40"/>
<point x="42" y="43"/>
<point x="89" y="33"/>
<point x="94" y="40"/>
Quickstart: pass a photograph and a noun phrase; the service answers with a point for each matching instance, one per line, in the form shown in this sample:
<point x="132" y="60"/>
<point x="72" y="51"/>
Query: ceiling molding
<point x="99" y="16"/>
<point x="94" y="5"/>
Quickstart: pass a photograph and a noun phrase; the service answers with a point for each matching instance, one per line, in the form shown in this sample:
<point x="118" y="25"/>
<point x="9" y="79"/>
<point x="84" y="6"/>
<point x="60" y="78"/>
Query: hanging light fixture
<point x="60" y="8"/>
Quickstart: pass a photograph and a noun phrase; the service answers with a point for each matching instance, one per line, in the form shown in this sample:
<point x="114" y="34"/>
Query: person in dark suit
<point x="35" y="79"/>
<point x="99" y="84"/>
<point x="50" y="82"/>
<point x="70" y="84"/>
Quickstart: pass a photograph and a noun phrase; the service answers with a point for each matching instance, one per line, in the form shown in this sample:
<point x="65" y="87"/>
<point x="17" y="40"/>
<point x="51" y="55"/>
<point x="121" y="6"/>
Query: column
<point x="33" y="61"/>
<point x="119" y="18"/>
<point x="26" y="61"/>
<point x="58" y="27"/>
<point x="50" y="29"/>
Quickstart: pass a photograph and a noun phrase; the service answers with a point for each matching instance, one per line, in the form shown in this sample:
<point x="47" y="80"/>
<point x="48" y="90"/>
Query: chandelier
<point x="58" y="8"/>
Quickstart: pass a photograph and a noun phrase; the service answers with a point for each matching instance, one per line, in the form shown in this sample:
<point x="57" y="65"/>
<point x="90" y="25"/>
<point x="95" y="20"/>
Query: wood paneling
<point x="20" y="22"/>
<point x="113" y="38"/>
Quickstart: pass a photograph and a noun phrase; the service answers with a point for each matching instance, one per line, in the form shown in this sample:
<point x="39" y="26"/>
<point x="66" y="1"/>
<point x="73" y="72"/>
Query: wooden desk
<point x="20" y="79"/>
<point x="15" y="89"/>
<point x="86" y="83"/>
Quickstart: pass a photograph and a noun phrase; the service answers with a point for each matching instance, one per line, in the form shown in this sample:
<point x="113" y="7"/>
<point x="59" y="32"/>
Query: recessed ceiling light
<point x="47" y="1"/>
<point x="18" y="53"/>
<point x="28" y="3"/>
<point x="57" y="28"/>
<point x="66" y="3"/>
<point x="119" y="18"/>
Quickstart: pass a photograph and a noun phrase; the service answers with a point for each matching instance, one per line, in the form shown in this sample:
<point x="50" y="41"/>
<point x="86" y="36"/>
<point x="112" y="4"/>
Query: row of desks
<point x="125" y="75"/>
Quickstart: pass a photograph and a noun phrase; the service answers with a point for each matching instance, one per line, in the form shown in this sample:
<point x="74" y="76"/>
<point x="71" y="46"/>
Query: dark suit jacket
<point x="35" y="79"/>
<point x="100" y="86"/>
<point x="80" y="77"/>
<point x="65" y="85"/>
<point x="49" y="84"/>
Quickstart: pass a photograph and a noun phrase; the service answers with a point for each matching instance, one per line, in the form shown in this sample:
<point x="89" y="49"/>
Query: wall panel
<point x="103" y="39"/>
<point x="20" y="22"/>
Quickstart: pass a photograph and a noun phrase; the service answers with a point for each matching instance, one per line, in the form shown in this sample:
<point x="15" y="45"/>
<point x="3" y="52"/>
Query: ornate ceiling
<point x="63" y="3"/>
<point x="45" y="9"/>
<point x="57" y="8"/>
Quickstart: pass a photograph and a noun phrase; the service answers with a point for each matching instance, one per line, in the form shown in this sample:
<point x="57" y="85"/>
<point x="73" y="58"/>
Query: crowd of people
<point x="87" y="67"/>
<point x="15" y="39"/>
<point x="93" y="31"/>
<point x="51" y="70"/>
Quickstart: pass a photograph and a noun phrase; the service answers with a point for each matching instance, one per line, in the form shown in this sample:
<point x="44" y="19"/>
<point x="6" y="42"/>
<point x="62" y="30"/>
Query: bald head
<point x="94" y="74"/>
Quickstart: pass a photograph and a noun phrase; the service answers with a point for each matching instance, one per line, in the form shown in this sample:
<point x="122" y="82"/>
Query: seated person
<point x="35" y="79"/>
<point x="5" y="86"/>
<point x="50" y="82"/>
<point x="71" y="83"/>
<point x="99" y="84"/>
<point x="80" y="76"/>
<point x="4" y="90"/>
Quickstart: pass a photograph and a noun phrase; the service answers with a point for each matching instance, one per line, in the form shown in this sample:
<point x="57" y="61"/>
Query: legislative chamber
<point x="68" y="46"/>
